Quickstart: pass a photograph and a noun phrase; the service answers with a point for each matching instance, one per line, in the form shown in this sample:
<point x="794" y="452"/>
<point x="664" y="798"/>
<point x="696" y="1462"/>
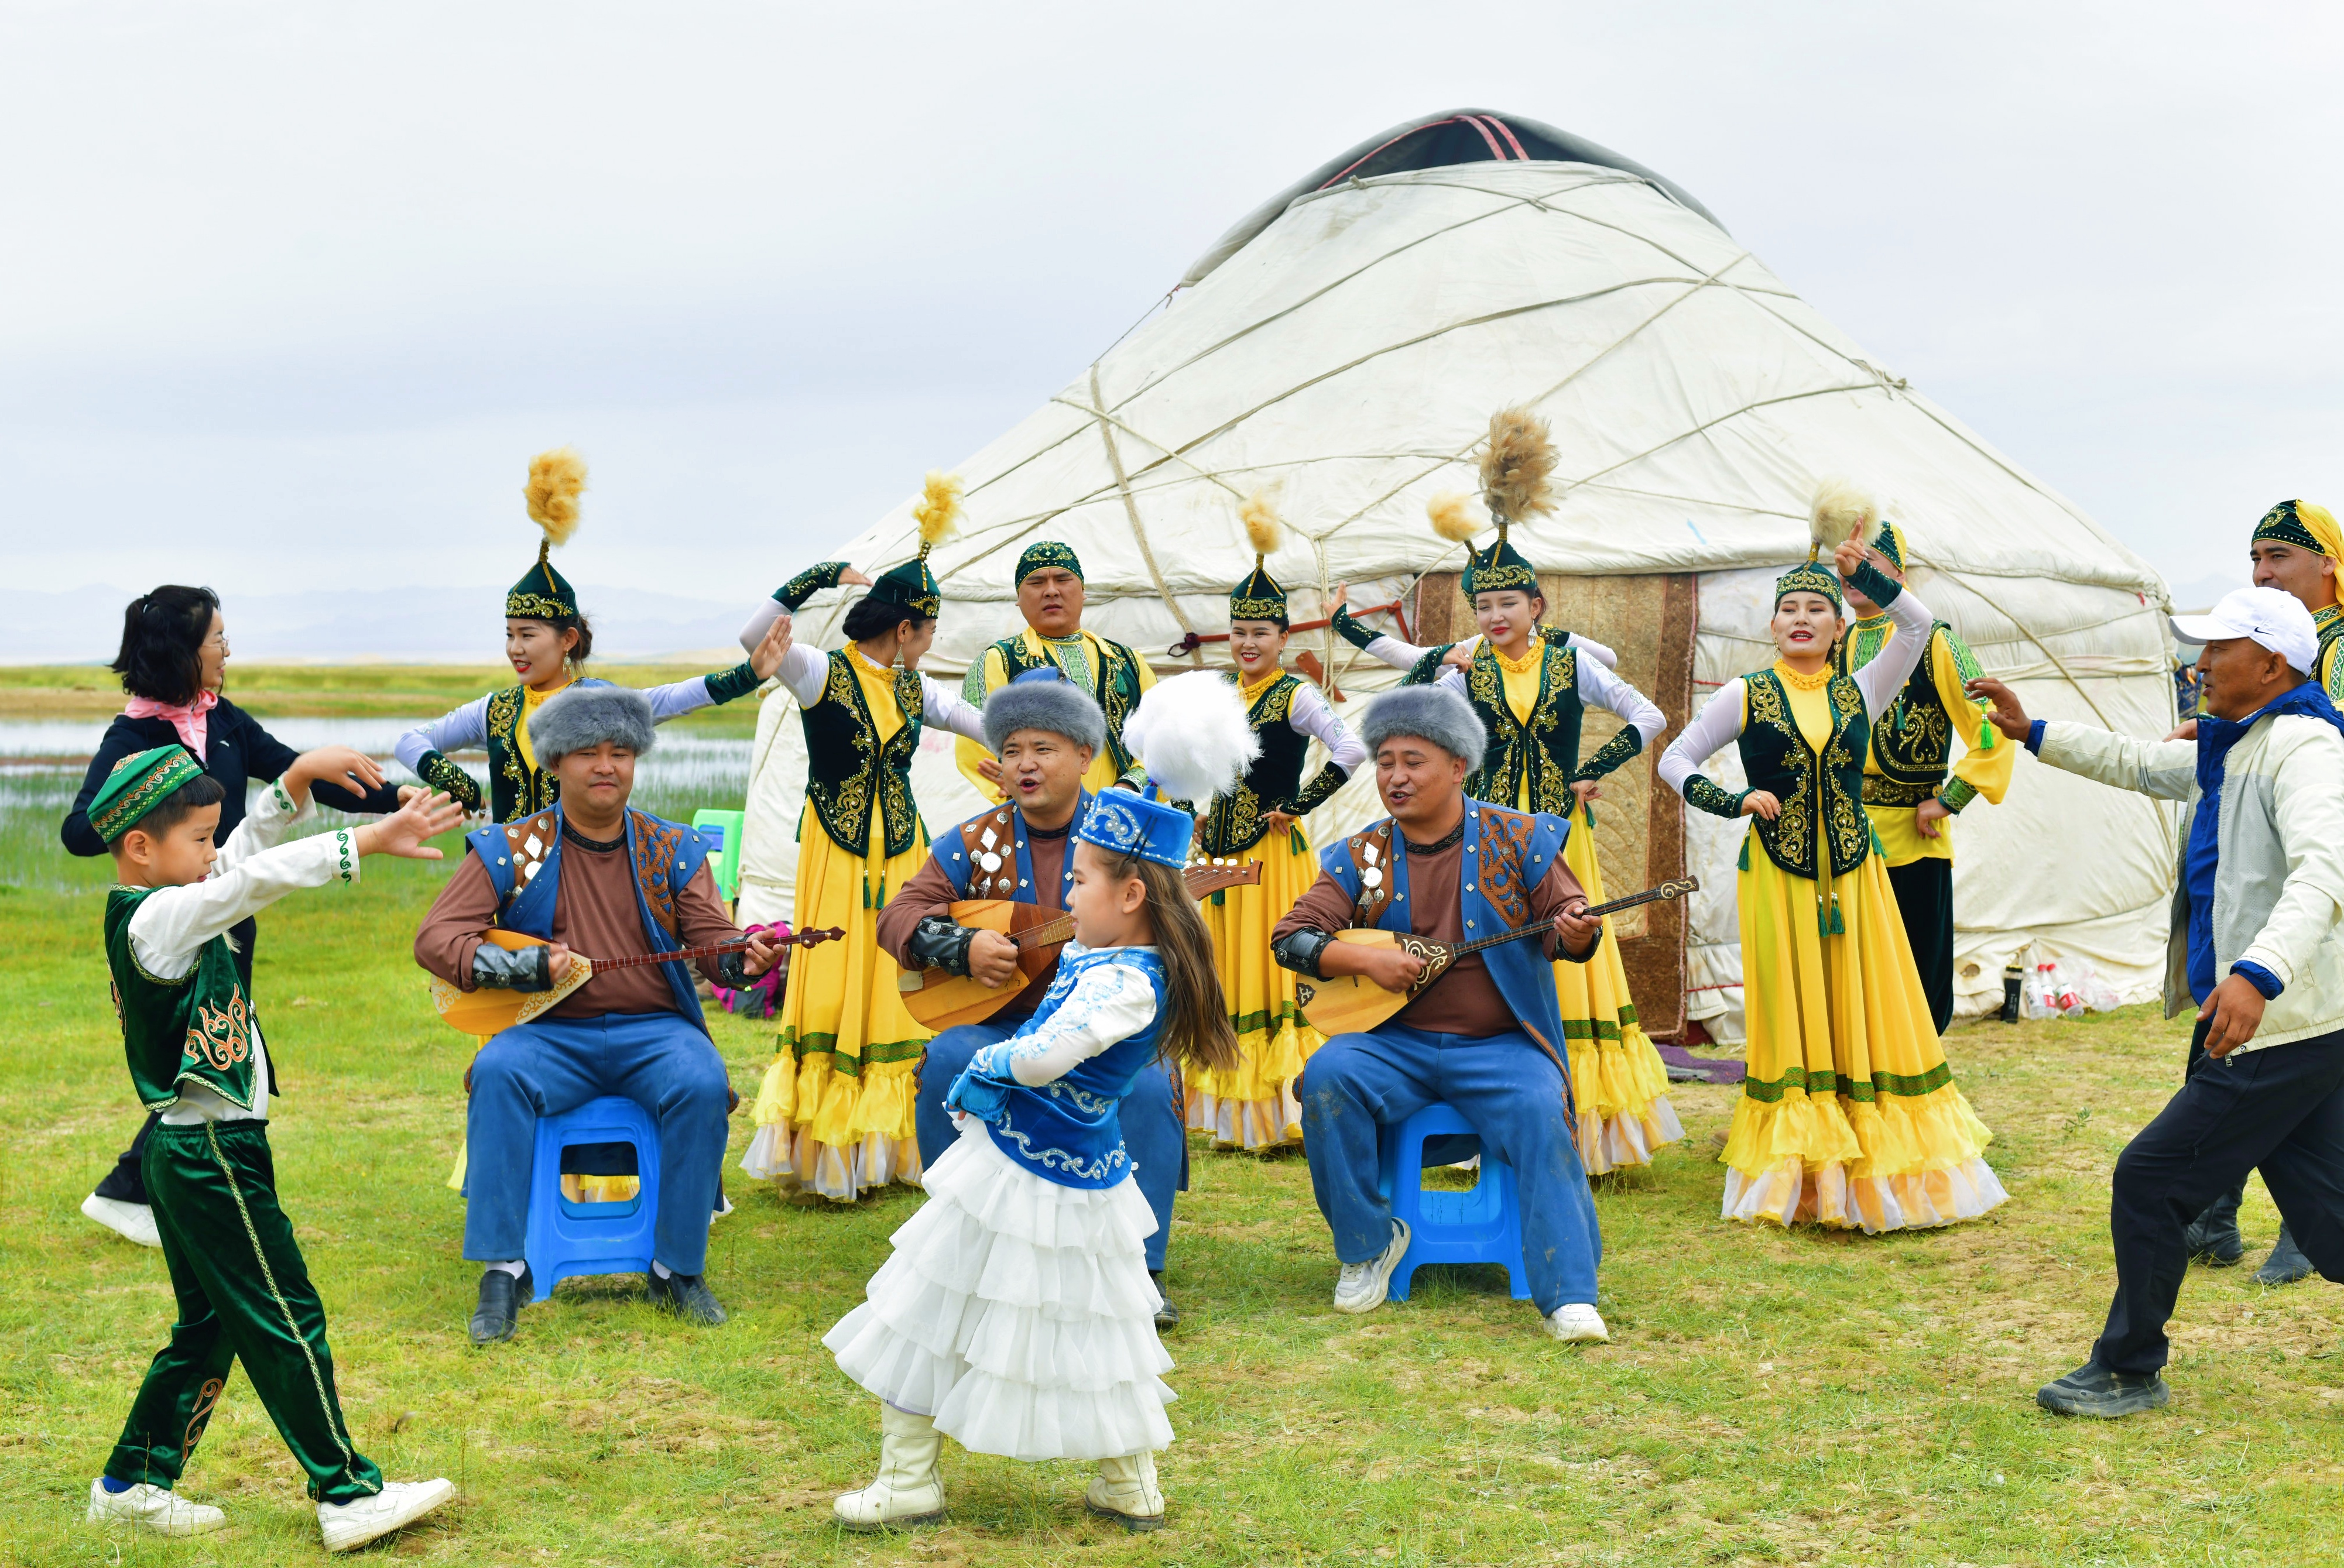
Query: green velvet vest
<point x="1234" y="823"/>
<point x="515" y="788"/>
<point x="849" y="773"/>
<point x="1544" y="747"/>
<point x="1117" y="693"/>
<point x="1912" y="743"/>
<point x="1776" y="758"/>
<point x="196" y="1026"/>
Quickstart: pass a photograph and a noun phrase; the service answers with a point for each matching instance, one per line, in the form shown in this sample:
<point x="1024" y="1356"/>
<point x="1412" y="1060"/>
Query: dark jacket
<point x="240" y="751"/>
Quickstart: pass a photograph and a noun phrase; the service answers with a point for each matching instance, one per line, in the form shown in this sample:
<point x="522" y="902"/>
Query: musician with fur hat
<point x="1484" y="1036"/>
<point x="590" y="876"/>
<point x="548" y="640"/>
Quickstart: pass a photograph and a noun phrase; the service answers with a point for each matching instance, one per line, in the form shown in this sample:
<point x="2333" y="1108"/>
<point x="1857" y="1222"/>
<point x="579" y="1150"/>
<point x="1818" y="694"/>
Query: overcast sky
<point x="289" y="293"/>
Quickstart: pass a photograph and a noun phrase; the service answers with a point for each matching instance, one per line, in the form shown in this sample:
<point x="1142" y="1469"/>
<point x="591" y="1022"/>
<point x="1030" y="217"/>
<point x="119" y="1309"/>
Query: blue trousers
<point x="1152" y="1128"/>
<point x="658" y="1059"/>
<point x="1504" y="1085"/>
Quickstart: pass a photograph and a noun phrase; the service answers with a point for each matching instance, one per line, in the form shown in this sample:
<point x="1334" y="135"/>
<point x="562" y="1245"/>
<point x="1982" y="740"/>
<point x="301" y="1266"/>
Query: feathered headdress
<point x="938" y="514"/>
<point x="556" y="479"/>
<point x="1517" y="484"/>
<point x="1192" y="735"/>
<point x="1259" y="598"/>
<point x="1838" y="512"/>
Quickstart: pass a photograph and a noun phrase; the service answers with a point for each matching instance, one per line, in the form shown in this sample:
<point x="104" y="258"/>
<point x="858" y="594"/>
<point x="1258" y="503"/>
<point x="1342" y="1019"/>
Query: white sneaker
<point x="1576" y="1322"/>
<point x="1360" y="1287"/>
<point x="135" y="1222"/>
<point x="152" y="1508"/>
<point x="399" y="1503"/>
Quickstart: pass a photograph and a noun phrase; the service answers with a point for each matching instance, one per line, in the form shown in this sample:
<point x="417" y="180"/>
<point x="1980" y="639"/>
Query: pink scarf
<point x="187" y="718"/>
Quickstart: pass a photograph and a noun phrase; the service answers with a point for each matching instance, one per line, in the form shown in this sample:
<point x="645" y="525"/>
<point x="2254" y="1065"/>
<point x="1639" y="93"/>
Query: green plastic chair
<point x="723" y="829"/>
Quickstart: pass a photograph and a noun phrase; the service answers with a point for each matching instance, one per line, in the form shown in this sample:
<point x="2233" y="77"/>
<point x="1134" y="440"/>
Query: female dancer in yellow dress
<point x="834" y="1112"/>
<point x="1253" y="1104"/>
<point x="1531" y="685"/>
<point x="1849" y="1116"/>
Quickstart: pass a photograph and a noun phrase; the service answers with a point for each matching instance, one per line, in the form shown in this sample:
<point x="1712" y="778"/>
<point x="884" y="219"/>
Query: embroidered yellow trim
<point x="1524" y="665"/>
<point x="1793" y="679"/>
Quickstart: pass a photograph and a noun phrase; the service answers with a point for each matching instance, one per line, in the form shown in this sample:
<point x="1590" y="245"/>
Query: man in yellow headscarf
<point x="2297" y="548"/>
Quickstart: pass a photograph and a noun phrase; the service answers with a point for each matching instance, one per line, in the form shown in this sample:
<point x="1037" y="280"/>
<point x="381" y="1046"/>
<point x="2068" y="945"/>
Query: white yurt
<point x="1347" y="342"/>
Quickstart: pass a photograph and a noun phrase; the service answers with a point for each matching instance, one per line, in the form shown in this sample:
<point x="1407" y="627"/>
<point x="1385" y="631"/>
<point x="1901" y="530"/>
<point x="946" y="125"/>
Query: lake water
<point x="44" y="760"/>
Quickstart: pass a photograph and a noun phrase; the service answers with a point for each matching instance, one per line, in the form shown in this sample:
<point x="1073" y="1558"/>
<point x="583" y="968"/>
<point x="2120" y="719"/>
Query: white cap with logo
<point x="2268" y="617"/>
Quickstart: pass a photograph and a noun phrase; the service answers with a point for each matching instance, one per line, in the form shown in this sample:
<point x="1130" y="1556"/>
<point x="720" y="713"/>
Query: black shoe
<point x="1167" y="1316"/>
<point x="2286" y="1264"/>
<point x="688" y="1297"/>
<point x="2213" y="1236"/>
<point x="502" y="1296"/>
<point x="2091" y="1389"/>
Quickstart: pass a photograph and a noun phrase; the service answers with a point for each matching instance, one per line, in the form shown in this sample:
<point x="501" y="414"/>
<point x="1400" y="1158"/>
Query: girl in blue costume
<point x="1014" y="1314"/>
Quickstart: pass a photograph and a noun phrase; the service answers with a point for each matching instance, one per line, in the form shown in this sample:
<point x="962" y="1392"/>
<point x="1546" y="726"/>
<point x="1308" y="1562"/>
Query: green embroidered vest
<point x="1545" y="747"/>
<point x="1118" y="692"/>
<point x="515" y="788"/>
<point x="196" y="1026"/>
<point x="1776" y="758"/>
<point x="1912" y="743"/>
<point x="1234" y="823"/>
<point x="850" y="773"/>
<point x="2329" y="667"/>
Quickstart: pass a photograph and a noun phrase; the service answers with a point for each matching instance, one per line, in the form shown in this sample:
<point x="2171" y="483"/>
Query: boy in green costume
<point x="195" y="1055"/>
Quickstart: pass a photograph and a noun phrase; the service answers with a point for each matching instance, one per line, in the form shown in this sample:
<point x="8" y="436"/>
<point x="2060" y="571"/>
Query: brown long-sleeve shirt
<point x="1465" y="1001"/>
<point x="594" y="913"/>
<point x="930" y="892"/>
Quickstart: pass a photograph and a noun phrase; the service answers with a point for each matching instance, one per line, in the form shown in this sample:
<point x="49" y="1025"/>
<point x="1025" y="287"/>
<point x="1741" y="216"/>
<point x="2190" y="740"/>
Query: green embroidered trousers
<point x="244" y="1294"/>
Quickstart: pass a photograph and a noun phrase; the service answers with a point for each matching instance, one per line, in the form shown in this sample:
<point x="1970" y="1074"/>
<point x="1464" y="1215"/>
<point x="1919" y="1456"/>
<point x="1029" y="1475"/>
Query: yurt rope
<point x="1138" y="531"/>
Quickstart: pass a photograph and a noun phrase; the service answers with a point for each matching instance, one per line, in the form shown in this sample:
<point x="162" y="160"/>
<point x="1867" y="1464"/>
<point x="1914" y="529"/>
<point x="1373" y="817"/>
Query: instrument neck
<point x="1542" y="927"/>
<point x="632" y="960"/>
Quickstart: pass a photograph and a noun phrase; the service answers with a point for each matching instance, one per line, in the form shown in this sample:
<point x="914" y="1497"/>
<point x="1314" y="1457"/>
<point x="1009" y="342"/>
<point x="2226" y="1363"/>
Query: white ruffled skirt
<point x="1017" y="1312"/>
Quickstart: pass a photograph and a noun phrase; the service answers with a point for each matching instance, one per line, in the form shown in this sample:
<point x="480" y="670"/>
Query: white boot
<point x="150" y="1507"/>
<point x="1577" y="1323"/>
<point x="1124" y="1492"/>
<point x="908" y="1490"/>
<point x="399" y="1503"/>
<point x="132" y="1221"/>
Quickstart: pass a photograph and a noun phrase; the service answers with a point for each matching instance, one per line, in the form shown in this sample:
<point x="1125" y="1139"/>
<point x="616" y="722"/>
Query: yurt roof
<point x="1349" y="348"/>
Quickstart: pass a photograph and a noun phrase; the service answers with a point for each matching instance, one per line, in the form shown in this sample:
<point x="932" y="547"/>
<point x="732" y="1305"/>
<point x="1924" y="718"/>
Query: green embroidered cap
<point x="912" y="586"/>
<point x="1811" y="576"/>
<point x="556" y="479"/>
<point x="2303" y="525"/>
<point x="1890" y="542"/>
<point x="1502" y="566"/>
<point x="1259" y="598"/>
<point x="542" y="594"/>
<point x="136" y="786"/>
<point x="1047" y="553"/>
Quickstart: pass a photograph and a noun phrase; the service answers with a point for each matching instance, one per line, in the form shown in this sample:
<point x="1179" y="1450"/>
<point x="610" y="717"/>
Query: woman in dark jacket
<point x="173" y="663"/>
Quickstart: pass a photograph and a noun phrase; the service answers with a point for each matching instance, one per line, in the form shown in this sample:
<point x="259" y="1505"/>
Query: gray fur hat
<point x="587" y="716"/>
<point x="1431" y="713"/>
<point x="1060" y="707"/>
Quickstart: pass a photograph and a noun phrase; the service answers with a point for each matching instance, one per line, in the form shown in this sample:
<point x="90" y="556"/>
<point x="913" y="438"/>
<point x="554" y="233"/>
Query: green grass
<point x="337" y="690"/>
<point x="1768" y="1398"/>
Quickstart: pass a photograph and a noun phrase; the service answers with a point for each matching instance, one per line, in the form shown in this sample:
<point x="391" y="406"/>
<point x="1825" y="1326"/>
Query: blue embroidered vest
<point x="1506" y="853"/>
<point x="1070" y="1131"/>
<point x="523" y="861"/>
<point x="1000" y="833"/>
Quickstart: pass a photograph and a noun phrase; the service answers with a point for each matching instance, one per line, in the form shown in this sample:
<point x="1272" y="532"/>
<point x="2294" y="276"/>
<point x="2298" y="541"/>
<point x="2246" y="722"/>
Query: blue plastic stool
<point x="566" y="1238"/>
<point x="1480" y="1226"/>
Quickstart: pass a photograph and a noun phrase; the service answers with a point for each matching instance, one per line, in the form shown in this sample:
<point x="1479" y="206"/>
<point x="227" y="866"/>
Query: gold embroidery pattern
<point x="1536" y="745"/>
<point x="220" y="1037"/>
<point x="854" y="799"/>
<point x="656" y="843"/>
<point x="1850" y="830"/>
<point x="1505" y="835"/>
<point x="896" y="806"/>
<point x="530" y="791"/>
<point x="1794" y="826"/>
<point x="1234" y="823"/>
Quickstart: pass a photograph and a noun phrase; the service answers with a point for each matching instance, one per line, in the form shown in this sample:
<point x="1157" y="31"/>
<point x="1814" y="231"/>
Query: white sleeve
<point x="1597" y="651"/>
<point x="466" y="727"/>
<point x="1598" y="684"/>
<point x="677" y="697"/>
<point x="1309" y="715"/>
<point x="760" y="621"/>
<point x="1893" y="665"/>
<point x="1715" y="728"/>
<point x="941" y="706"/>
<point x="169" y="929"/>
<point x="273" y="815"/>
<point x="1109" y="1003"/>
<point x="805" y="671"/>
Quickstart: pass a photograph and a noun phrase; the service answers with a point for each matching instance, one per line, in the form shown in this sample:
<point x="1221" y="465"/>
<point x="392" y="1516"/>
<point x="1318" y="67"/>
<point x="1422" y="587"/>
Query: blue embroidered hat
<point x="1129" y="824"/>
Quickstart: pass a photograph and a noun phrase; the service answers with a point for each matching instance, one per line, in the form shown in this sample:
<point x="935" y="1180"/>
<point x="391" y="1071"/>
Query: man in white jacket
<point x="2263" y="873"/>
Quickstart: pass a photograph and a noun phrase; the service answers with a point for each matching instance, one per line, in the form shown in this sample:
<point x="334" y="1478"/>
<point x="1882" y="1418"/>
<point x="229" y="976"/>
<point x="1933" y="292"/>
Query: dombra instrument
<point x="940" y="1000"/>
<point x="1351" y="1004"/>
<point x="488" y="1011"/>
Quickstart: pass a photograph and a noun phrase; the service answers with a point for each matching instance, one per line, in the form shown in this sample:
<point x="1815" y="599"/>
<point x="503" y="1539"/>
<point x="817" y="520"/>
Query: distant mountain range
<point x="343" y="622"/>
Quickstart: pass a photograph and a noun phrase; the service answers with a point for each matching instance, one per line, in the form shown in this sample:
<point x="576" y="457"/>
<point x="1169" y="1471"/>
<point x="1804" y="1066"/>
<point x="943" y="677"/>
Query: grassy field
<point x="1768" y="1398"/>
<point x="335" y="690"/>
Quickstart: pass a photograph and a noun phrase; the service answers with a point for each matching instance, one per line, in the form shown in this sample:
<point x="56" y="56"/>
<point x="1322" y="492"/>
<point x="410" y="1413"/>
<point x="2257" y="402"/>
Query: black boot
<point x="1167" y="1316"/>
<point x="2286" y="1264"/>
<point x="2092" y="1389"/>
<point x="2213" y="1236"/>
<point x="502" y="1296"/>
<point x="688" y="1297"/>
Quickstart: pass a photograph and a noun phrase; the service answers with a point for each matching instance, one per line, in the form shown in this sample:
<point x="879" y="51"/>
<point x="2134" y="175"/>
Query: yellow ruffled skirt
<point x="1254" y="1106"/>
<point x="834" y="1113"/>
<point x="1849" y="1116"/>
<point x="1617" y="1079"/>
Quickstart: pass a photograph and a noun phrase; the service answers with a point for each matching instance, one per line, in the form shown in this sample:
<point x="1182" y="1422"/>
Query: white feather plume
<point x="1192" y="735"/>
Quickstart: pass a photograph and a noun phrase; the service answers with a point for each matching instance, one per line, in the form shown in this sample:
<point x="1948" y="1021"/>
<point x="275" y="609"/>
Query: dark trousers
<point x="244" y="1294"/>
<point x="2280" y="1108"/>
<point x="1153" y="1133"/>
<point x="1924" y="896"/>
<point x="126" y="1183"/>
